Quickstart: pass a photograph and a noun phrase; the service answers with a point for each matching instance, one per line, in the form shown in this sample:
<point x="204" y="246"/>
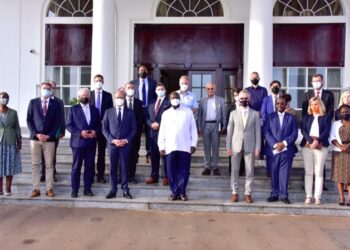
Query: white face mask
<point x="130" y="92"/>
<point x="98" y="85"/>
<point x="4" y="101"/>
<point x="183" y="87"/>
<point x="175" y="102"/>
<point x="119" y="102"/>
<point x="316" y="85"/>
<point x="160" y="93"/>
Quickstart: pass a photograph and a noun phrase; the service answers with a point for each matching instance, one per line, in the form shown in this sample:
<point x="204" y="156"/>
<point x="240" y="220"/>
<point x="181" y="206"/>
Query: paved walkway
<point x="66" y="228"/>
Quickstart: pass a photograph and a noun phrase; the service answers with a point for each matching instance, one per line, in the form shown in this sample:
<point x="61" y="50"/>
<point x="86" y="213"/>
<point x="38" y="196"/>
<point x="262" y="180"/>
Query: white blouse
<point x="315" y="129"/>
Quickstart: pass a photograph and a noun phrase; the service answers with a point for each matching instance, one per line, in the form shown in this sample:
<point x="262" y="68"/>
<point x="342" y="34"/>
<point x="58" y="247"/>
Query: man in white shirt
<point x="177" y="140"/>
<point x="187" y="98"/>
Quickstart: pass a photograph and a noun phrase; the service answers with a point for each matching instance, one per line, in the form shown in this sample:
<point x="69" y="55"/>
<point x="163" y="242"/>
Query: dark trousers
<point x="119" y="156"/>
<point x="101" y="154"/>
<point x="134" y="158"/>
<point x="178" y="164"/>
<point x="155" y="160"/>
<point x="280" y="173"/>
<point x="269" y="162"/>
<point x="147" y="131"/>
<point x="87" y="155"/>
<point x="43" y="166"/>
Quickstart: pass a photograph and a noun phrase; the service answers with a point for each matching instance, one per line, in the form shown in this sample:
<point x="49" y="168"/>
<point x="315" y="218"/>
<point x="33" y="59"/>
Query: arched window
<point x="70" y="8"/>
<point x="189" y="8"/>
<point x="308" y="8"/>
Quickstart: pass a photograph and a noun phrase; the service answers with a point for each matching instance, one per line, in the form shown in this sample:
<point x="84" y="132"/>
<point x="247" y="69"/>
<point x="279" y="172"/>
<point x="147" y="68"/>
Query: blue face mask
<point x="45" y="93"/>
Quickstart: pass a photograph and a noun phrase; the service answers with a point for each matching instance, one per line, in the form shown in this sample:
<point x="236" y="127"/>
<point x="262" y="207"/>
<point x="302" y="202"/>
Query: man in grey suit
<point x="243" y="139"/>
<point x="211" y="123"/>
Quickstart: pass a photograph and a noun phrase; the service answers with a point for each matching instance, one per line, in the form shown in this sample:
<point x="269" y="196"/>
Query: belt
<point x="210" y="121"/>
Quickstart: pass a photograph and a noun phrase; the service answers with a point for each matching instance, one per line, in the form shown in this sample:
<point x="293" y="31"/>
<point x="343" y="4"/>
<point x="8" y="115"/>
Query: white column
<point x="260" y="41"/>
<point x="103" y="42"/>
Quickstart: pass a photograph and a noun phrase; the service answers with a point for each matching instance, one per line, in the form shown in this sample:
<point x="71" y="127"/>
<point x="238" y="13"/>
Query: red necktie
<point x="157" y="107"/>
<point x="44" y="106"/>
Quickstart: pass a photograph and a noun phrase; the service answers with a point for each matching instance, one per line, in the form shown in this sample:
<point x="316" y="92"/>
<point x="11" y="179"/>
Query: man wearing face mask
<point x="243" y="140"/>
<point x="102" y="100"/>
<point x="136" y="105"/>
<point x="154" y="115"/>
<point x="177" y="140"/>
<point x="187" y="98"/>
<point x="145" y="90"/>
<point x="84" y="123"/>
<point x="257" y="93"/>
<point x="43" y="121"/>
<point x="119" y="127"/>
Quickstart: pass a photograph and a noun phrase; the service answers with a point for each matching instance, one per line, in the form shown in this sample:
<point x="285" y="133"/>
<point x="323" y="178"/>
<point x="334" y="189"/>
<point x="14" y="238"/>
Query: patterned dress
<point x="10" y="160"/>
<point x="341" y="160"/>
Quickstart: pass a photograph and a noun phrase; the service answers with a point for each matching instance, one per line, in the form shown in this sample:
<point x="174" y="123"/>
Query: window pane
<point x="229" y="81"/>
<point x="280" y="74"/>
<point x="68" y="93"/>
<point x="297" y="77"/>
<point x="297" y="97"/>
<point x="53" y="74"/>
<point x="206" y="78"/>
<point x="197" y="92"/>
<point x="334" y="78"/>
<point x="70" y="76"/>
<point x="313" y="71"/>
<point x="196" y="81"/>
<point x="85" y="76"/>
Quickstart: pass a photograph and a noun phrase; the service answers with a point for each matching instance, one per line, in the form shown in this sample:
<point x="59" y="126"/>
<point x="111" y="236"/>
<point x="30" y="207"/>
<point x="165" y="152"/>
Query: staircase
<point x="206" y="193"/>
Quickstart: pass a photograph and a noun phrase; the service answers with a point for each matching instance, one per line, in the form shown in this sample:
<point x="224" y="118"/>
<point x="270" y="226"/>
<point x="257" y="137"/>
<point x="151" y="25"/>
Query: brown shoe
<point x="234" y="197"/>
<point x="50" y="193"/>
<point x="217" y="172"/>
<point x="248" y="198"/>
<point x="151" y="180"/>
<point x="35" y="193"/>
<point x="165" y="181"/>
<point x="206" y="171"/>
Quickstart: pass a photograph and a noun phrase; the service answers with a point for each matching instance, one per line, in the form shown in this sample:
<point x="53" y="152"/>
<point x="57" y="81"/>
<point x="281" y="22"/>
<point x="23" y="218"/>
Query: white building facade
<point x="69" y="41"/>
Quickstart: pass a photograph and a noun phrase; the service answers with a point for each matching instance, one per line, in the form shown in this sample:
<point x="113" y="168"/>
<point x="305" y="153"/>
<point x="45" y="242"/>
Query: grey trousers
<point x="211" y="139"/>
<point x="249" y="159"/>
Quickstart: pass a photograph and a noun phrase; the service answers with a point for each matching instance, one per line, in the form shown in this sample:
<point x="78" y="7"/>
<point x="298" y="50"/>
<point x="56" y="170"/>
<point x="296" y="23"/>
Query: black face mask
<point x="143" y="75"/>
<point x="345" y="117"/>
<point x="244" y="103"/>
<point x="84" y="100"/>
<point x="275" y="90"/>
<point x="254" y="81"/>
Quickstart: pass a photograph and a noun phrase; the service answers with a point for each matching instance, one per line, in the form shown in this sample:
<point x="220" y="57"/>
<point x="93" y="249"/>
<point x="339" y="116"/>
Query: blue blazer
<point x="48" y="125"/>
<point x="324" y="123"/>
<point x="152" y="117"/>
<point x="126" y="130"/>
<point x="151" y="95"/>
<point x="76" y="122"/>
<point x="266" y="108"/>
<point x="274" y="133"/>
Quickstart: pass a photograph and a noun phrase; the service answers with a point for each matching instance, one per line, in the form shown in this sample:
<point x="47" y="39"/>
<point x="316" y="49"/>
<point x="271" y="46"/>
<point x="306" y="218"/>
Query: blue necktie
<point x="144" y="97"/>
<point x="119" y="117"/>
<point x="98" y="105"/>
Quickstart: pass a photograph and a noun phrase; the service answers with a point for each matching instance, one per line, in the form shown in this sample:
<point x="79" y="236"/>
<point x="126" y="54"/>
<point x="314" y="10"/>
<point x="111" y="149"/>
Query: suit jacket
<point x="76" y="122"/>
<point x="107" y="101"/>
<point x="152" y="117"/>
<point x="62" y="128"/>
<point x="324" y="123"/>
<point x="240" y="138"/>
<point x="221" y="118"/>
<point x="267" y="108"/>
<point x="126" y="130"/>
<point x="10" y="130"/>
<point x="138" y="111"/>
<point x="151" y="95"/>
<point x="38" y="124"/>
<point x="274" y="133"/>
<point x="327" y="98"/>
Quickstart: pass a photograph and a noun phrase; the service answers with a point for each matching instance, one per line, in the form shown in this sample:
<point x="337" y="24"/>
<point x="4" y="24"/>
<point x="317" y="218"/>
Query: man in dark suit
<point x="136" y="105"/>
<point x="281" y="132"/>
<point x="84" y="123"/>
<point x="60" y="134"/>
<point x="43" y="123"/>
<point x="145" y="90"/>
<point x="119" y="128"/>
<point x="154" y="115"/>
<point x="102" y="100"/>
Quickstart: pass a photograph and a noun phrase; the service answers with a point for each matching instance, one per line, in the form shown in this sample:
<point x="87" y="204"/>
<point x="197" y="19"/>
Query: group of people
<point x="256" y="124"/>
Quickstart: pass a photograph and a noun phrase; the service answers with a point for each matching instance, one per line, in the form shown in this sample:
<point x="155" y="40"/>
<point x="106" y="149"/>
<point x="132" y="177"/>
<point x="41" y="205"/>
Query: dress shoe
<point x="206" y="171"/>
<point x="184" y="197"/>
<point x="101" y="179"/>
<point x="42" y="178"/>
<point x="341" y="202"/>
<point x="74" y="194"/>
<point x="50" y="193"/>
<point x="216" y="172"/>
<point x="111" y="195"/>
<point x="248" y="198"/>
<point x="318" y="202"/>
<point x="165" y="181"/>
<point x="132" y="180"/>
<point x="234" y="197"/>
<point x="7" y="194"/>
<point x="285" y="200"/>
<point x="88" y="193"/>
<point x="308" y="200"/>
<point x="272" y="199"/>
<point x="35" y="193"/>
<point x="151" y="180"/>
<point x="173" y="197"/>
<point x="127" y="195"/>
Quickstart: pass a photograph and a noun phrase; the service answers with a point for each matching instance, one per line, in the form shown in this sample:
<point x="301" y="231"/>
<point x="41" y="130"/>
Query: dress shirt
<point x="211" y="109"/>
<point x="315" y="129"/>
<point x="96" y="96"/>
<point x="274" y="99"/>
<point x="130" y="102"/>
<point x="160" y="103"/>
<point x="140" y="89"/>
<point x="320" y="95"/>
<point x="47" y="102"/>
<point x="86" y="110"/>
<point x="178" y="131"/>
<point x="244" y="111"/>
<point x="256" y="97"/>
<point x="188" y="99"/>
<point x="121" y="110"/>
<point x="281" y="116"/>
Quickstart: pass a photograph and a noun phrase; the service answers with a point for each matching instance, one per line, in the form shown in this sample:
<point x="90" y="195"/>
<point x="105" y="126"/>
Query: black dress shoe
<point x="285" y="200"/>
<point x="74" y="194"/>
<point x="127" y="195"/>
<point x="216" y="172"/>
<point x="42" y="178"/>
<point x="272" y="199"/>
<point x="132" y="180"/>
<point x="88" y="193"/>
<point x="184" y="197"/>
<point x="111" y="195"/>
<point x="173" y="197"/>
<point x="101" y="180"/>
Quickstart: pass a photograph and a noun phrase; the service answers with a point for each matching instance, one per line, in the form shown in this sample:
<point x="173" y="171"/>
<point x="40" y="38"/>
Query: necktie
<point x="318" y="93"/>
<point x="119" y="117"/>
<point x="244" y="118"/>
<point x="98" y="104"/>
<point x="144" y="97"/>
<point x="87" y="114"/>
<point x="157" y="107"/>
<point x="44" y="106"/>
